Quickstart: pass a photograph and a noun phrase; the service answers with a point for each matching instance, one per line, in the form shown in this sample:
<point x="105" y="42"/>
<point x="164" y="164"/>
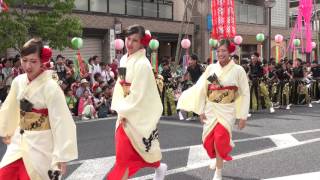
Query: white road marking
<point x="306" y="176"/>
<point x="284" y="140"/>
<point x="98" y="167"/>
<point x="94" y="169"/>
<point x="241" y="156"/>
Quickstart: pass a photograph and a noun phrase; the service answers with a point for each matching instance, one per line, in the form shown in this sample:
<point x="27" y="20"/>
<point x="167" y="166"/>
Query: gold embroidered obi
<point x="223" y="95"/>
<point x="125" y="87"/>
<point x="34" y="121"/>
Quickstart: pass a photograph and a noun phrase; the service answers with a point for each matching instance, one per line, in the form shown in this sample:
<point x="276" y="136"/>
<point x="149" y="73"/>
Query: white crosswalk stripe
<point x="96" y="169"/>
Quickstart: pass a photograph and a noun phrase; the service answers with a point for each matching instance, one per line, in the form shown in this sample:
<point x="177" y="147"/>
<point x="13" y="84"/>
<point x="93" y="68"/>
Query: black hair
<point x="34" y="45"/>
<point x="194" y="57"/>
<point x="59" y="56"/>
<point x="94" y="57"/>
<point x="96" y="76"/>
<point x="135" y="29"/>
<point x="236" y="57"/>
<point x="225" y="42"/>
<point x="256" y="54"/>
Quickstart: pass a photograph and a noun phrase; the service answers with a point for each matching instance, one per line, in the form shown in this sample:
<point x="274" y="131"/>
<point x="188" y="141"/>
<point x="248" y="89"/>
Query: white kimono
<point x="40" y="150"/>
<point x="142" y="107"/>
<point x="196" y="99"/>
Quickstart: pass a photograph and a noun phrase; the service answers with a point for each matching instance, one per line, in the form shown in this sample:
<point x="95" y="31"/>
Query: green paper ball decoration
<point x="296" y="42"/>
<point x="76" y="43"/>
<point x="260" y="37"/>
<point x="213" y="42"/>
<point x="154" y="44"/>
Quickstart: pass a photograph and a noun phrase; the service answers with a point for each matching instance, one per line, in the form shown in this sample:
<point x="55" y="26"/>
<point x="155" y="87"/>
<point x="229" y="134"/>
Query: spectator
<point x="86" y="109"/>
<point x="7" y="71"/>
<point x="101" y="104"/>
<point x="96" y="65"/>
<point x="84" y="85"/>
<point x="16" y="70"/>
<point x="195" y="70"/>
<point x="71" y="101"/>
<point x="60" y="67"/>
<point x="114" y="68"/>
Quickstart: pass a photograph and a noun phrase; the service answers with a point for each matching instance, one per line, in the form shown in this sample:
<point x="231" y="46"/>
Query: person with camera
<point x="35" y="121"/>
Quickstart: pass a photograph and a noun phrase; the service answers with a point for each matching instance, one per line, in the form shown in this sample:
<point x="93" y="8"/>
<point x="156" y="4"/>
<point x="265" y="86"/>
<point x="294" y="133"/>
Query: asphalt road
<point x="272" y="145"/>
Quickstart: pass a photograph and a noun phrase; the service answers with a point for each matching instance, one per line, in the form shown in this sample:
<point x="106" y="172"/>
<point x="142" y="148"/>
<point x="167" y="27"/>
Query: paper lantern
<point x="154" y="44"/>
<point x="278" y="38"/>
<point x="118" y="44"/>
<point x="238" y="40"/>
<point x="296" y="42"/>
<point x="185" y="43"/>
<point x="314" y="45"/>
<point x="213" y="43"/>
<point x="260" y="37"/>
<point x="77" y="43"/>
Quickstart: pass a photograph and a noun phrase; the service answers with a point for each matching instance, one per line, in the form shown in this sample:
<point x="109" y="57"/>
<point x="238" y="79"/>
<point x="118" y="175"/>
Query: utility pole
<point x="177" y="60"/>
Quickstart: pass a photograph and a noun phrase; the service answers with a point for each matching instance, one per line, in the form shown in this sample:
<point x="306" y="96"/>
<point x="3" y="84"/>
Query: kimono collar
<point x="47" y="74"/>
<point x="226" y="66"/>
<point x="137" y="54"/>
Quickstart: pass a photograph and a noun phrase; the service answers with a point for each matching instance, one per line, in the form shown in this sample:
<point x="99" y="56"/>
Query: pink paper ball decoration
<point x="119" y="44"/>
<point x="185" y="43"/>
<point x="238" y="40"/>
<point x="278" y="38"/>
<point x="314" y="45"/>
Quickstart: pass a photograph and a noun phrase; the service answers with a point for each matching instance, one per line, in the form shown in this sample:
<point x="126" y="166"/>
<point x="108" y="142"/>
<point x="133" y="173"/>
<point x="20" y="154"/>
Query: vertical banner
<point x="223" y="23"/>
<point x="112" y="49"/>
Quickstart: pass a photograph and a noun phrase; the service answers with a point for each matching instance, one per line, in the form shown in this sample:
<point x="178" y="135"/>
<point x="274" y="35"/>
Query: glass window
<point x="149" y="9"/>
<point x="81" y="5"/>
<point x="252" y="14"/>
<point x="237" y="11"/>
<point x="134" y="7"/>
<point x="117" y="6"/>
<point x="165" y="11"/>
<point x="260" y="15"/>
<point x="98" y="5"/>
<point x="244" y="13"/>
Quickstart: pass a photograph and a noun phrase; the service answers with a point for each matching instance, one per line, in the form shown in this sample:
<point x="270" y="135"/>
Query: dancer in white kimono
<point x="137" y="101"/>
<point x="220" y="96"/>
<point x="35" y="121"/>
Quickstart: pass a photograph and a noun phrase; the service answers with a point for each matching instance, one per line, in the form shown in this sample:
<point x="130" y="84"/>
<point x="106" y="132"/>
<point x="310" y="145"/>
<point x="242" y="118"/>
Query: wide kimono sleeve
<point x="194" y="98"/>
<point x="9" y="112"/>
<point x="144" y="95"/>
<point x="62" y="125"/>
<point x="243" y="101"/>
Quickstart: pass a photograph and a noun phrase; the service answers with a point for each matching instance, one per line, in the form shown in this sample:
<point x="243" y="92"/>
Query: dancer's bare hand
<point x="242" y="123"/>
<point x="123" y="121"/>
<point x="6" y="140"/>
<point x="203" y="118"/>
<point x="62" y="167"/>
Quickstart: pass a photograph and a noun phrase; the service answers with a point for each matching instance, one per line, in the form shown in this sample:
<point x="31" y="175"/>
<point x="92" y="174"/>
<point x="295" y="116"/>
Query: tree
<point x="50" y="20"/>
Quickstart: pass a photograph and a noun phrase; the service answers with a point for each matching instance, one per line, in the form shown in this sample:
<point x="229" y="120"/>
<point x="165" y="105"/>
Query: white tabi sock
<point x="217" y="174"/>
<point x="160" y="172"/>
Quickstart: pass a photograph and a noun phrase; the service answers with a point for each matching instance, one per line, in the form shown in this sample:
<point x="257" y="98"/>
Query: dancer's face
<point x="223" y="54"/>
<point x="32" y="65"/>
<point x="133" y="43"/>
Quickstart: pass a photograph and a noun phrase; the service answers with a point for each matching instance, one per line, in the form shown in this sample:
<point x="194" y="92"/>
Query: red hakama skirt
<point x="127" y="157"/>
<point x="14" y="171"/>
<point x="219" y="137"/>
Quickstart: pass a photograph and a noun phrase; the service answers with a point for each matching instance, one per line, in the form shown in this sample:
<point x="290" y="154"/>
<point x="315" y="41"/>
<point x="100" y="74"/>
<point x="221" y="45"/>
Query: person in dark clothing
<point x="258" y="91"/>
<point x="195" y="70"/>
<point x="315" y="69"/>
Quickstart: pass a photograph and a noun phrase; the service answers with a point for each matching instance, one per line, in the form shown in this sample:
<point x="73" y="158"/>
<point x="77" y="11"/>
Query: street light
<point x="269" y="4"/>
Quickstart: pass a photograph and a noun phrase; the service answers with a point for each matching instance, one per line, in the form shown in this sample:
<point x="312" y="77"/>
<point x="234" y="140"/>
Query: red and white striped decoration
<point x="223" y="19"/>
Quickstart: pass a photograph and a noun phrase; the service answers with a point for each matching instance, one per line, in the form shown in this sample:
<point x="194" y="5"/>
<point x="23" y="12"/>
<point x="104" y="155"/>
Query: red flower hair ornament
<point x="231" y="47"/>
<point x="46" y="54"/>
<point x="146" y="38"/>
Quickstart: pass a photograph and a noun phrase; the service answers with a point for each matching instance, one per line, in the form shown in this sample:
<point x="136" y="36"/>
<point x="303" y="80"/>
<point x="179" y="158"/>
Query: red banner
<point x="223" y="19"/>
